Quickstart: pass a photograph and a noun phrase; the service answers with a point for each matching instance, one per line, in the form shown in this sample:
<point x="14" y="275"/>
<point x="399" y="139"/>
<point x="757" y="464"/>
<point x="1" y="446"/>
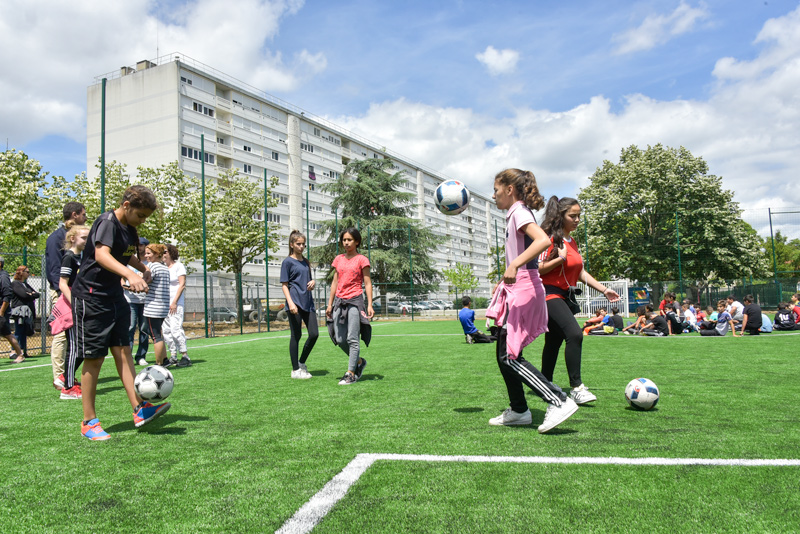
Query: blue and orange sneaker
<point x="94" y="431"/>
<point x="147" y="412"/>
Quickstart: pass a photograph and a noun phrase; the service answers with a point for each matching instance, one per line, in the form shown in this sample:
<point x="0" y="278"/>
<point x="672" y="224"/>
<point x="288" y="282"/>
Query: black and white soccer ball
<point x="642" y="393"/>
<point x="451" y="197"/>
<point x="154" y="383"/>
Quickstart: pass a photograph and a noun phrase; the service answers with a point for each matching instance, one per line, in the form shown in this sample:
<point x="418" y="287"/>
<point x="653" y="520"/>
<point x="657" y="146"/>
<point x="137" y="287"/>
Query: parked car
<point x="222" y="314"/>
<point x="399" y="307"/>
<point x="443" y="304"/>
<point x="422" y="305"/>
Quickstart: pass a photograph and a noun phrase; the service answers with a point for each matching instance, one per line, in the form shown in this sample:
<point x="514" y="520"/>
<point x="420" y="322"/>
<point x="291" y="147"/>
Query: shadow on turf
<point x="468" y="409"/>
<point x="158" y="426"/>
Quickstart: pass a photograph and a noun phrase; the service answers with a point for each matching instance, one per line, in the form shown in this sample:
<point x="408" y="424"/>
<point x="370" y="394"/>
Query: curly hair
<point x="525" y="184"/>
<point x="140" y="197"/>
<point x="157" y="250"/>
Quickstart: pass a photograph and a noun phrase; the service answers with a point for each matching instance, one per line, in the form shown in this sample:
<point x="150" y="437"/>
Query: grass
<point x="244" y="446"/>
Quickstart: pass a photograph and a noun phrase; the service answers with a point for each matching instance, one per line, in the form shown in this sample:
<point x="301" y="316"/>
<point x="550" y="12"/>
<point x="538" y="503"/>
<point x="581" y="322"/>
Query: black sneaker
<point x="348" y="379"/>
<point x="360" y="367"/>
<point x="185" y="362"/>
<point x="172" y="362"/>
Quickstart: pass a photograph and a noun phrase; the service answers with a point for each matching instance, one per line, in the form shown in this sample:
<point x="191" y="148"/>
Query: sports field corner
<point x="408" y="448"/>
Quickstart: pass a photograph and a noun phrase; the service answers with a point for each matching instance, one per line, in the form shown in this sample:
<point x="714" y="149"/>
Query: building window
<point x="247" y="148"/>
<point x="283" y="199"/>
<point x="200" y="108"/>
<point x="311" y="187"/>
<point x="311" y="174"/>
<point x="317" y="132"/>
<point x="307" y="147"/>
<point x="185" y="80"/>
<point x="274" y="218"/>
<point x="248" y="169"/>
<point x="258" y="216"/>
<point x="220" y="140"/>
<point x="274" y="155"/>
<point x="192" y="153"/>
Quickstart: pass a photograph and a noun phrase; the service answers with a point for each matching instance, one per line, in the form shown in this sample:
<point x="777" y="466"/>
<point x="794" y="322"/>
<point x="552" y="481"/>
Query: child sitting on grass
<point x="785" y="319"/>
<point x="595" y="321"/>
<point x="656" y="325"/>
<point x="467" y="318"/>
<point x="723" y="323"/>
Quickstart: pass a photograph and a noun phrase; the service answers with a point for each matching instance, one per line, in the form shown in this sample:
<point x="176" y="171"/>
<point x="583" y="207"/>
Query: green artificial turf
<point x="244" y="446"/>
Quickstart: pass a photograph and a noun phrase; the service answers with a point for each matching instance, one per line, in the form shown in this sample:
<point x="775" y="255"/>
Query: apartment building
<point x="157" y="111"/>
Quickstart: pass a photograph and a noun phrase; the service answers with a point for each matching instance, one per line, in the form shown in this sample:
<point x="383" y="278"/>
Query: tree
<point x="498" y="262"/>
<point x="787" y="254"/>
<point x="234" y="222"/>
<point x="461" y="277"/>
<point x="22" y="217"/>
<point x="367" y="197"/>
<point x="638" y="210"/>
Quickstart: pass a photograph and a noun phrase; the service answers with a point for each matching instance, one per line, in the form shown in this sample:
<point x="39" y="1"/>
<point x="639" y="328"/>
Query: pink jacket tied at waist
<point x="521" y="306"/>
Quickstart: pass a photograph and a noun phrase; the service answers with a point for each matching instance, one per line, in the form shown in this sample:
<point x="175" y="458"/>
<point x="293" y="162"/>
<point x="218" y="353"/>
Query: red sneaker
<point x="72" y="393"/>
<point x="58" y="383"/>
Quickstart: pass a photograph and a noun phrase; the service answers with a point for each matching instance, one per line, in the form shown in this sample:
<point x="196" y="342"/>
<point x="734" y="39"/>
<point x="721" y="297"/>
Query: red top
<point x="796" y="311"/>
<point x="565" y="275"/>
<point x="351" y="276"/>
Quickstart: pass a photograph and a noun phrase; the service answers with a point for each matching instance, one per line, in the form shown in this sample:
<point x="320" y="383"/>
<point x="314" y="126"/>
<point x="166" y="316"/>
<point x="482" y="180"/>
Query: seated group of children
<point x="788" y="316"/>
<point x="603" y="324"/>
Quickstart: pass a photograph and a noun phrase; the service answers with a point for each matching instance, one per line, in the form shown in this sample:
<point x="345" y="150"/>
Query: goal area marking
<point x="312" y="512"/>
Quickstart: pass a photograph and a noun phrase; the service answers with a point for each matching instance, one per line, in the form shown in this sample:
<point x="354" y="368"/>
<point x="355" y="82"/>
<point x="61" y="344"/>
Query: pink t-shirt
<point x="517" y="241"/>
<point x="350" y="274"/>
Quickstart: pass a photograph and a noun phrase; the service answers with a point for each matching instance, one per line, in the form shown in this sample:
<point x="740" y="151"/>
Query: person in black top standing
<point x="23" y="308"/>
<point x="54" y="252"/>
<point x="100" y="312"/>
<point x="6" y="294"/>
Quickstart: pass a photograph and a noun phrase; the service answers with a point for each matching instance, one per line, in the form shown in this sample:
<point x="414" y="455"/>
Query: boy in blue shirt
<point x="467" y="318"/>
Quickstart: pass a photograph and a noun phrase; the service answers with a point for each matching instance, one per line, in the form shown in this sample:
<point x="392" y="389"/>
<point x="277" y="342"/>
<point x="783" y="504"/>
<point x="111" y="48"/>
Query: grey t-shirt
<point x="298" y="274"/>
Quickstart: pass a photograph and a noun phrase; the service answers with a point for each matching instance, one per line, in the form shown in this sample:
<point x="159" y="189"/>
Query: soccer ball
<point x="451" y="197"/>
<point x="642" y="393"/>
<point x="154" y="383"/>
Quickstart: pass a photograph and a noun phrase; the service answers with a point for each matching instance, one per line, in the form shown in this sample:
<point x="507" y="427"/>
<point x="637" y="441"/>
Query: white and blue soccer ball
<point x="642" y="393"/>
<point x="154" y="383"/>
<point x="451" y="197"/>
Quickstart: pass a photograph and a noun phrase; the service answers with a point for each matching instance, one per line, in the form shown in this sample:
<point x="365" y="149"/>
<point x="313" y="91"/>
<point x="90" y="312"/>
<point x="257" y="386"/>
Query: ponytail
<point x="524" y="183"/>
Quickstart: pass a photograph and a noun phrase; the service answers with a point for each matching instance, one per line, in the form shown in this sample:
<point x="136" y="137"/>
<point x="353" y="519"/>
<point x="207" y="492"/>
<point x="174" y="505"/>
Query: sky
<point x="464" y="87"/>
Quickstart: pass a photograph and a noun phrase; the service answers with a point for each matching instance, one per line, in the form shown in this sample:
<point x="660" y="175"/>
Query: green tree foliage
<point x="234" y="222"/>
<point x="497" y="260"/>
<point x="460" y="278"/>
<point x="25" y="217"/>
<point x="367" y="197"/>
<point x="635" y="209"/>
<point x="787" y="253"/>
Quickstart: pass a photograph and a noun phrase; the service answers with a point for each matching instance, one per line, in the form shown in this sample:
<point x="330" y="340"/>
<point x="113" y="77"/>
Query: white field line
<point x="312" y="512"/>
<point x="210" y="345"/>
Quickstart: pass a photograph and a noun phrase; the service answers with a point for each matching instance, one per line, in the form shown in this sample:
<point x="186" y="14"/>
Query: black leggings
<point x="296" y="321"/>
<point x="562" y="326"/>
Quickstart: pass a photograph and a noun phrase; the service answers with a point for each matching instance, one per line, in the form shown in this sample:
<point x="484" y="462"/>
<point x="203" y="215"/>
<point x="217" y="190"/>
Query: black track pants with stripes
<point x="521" y="371"/>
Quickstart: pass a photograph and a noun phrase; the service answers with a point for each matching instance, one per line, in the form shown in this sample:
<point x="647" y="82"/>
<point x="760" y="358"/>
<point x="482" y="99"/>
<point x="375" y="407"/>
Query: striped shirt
<point x="156" y="303"/>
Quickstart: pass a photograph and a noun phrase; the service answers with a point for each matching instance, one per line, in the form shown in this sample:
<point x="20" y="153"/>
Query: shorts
<point x="152" y="327"/>
<point x="5" y="327"/>
<point x="99" y="325"/>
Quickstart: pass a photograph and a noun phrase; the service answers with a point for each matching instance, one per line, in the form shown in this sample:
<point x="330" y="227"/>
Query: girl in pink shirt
<point x="346" y="303"/>
<point x="518" y="304"/>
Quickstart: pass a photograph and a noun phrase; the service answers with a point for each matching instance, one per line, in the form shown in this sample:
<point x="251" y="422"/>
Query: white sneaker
<point x="512" y="418"/>
<point x="581" y="395"/>
<point x="300" y="374"/>
<point x="470" y="341"/>
<point x="303" y="367"/>
<point x="556" y="415"/>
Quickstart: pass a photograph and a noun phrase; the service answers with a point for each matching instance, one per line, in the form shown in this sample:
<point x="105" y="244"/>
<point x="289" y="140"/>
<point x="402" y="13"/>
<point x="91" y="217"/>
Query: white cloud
<point x="748" y="130"/>
<point x="498" y="61"/>
<point x="54" y="49"/>
<point x="658" y="29"/>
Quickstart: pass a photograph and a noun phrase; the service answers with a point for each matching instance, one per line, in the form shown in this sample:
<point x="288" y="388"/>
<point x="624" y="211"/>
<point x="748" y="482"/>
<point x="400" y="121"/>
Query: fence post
<point x="266" y="247"/>
<point x="411" y="271"/>
<point x="203" y="201"/>
<point x="774" y="257"/>
<point x="680" y="271"/>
